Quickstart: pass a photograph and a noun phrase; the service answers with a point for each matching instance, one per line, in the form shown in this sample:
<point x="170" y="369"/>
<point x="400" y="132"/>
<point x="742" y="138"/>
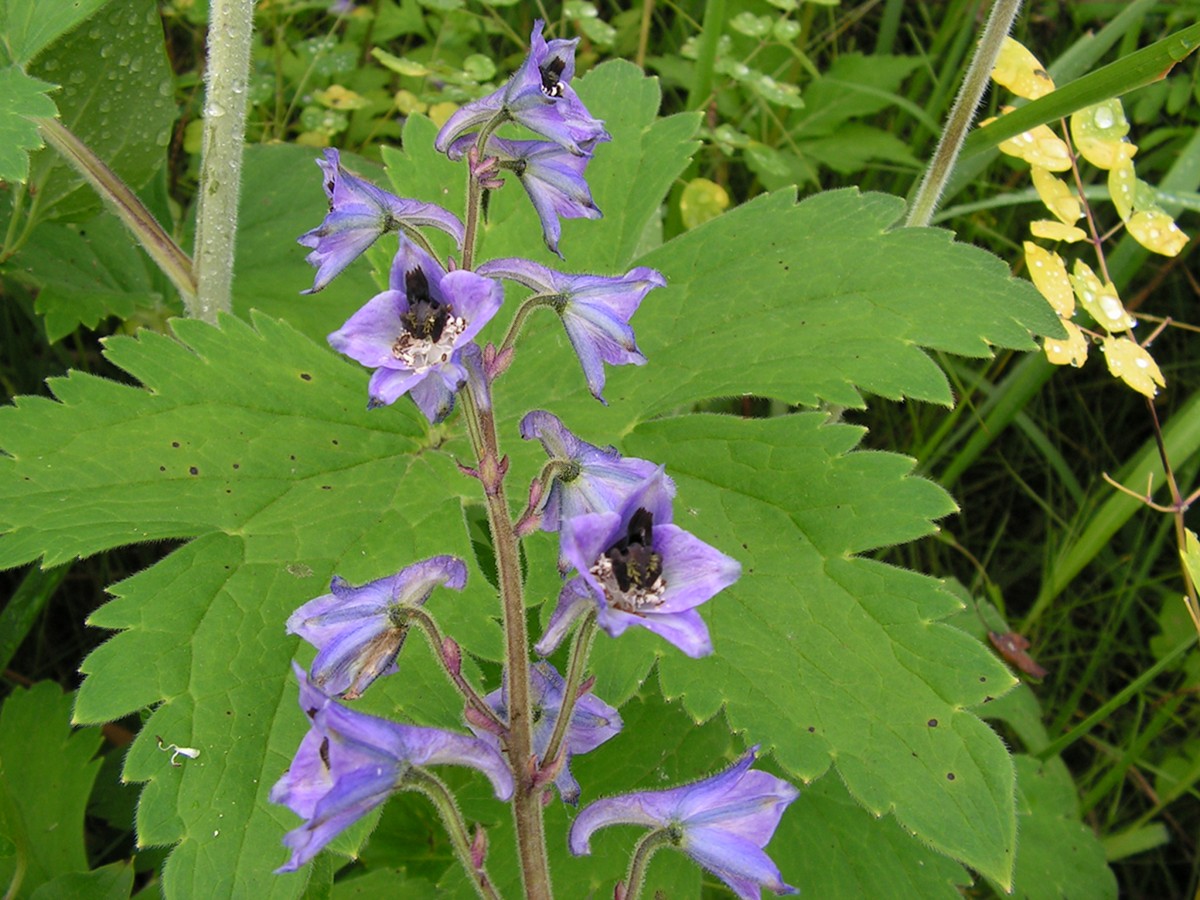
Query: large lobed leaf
<point x="255" y="443"/>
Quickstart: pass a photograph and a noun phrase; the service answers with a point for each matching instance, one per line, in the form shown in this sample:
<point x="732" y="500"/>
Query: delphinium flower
<point x="592" y="722"/>
<point x="637" y="569"/>
<point x="594" y="479"/>
<point x="539" y="96"/>
<point x="350" y="762"/>
<point x="412" y="333"/>
<point x="595" y="310"/>
<point x="552" y="177"/>
<point x="359" y="213"/>
<point x="358" y="631"/>
<point x="722" y="822"/>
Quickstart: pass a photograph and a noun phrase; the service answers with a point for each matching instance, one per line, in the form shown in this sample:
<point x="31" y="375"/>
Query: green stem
<point x="230" y="27"/>
<point x="941" y="166"/>
<point x="581" y="648"/>
<point x="646" y="848"/>
<point x="166" y="254"/>
<point x="474" y="191"/>
<point x="431" y="786"/>
<point x="526" y="803"/>
<point x="522" y="313"/>
<point x="426" y="623"/>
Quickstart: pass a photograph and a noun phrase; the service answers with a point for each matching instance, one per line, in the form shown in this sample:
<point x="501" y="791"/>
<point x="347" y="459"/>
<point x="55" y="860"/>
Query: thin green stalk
<point x="427" y="625"/>
<point x="526" y="802"/>
<point x="962" y="112"/>
<point x="431" y="786"/>
<point x="230" y="26"/>
<point x="581" y="648"/>
<point x="166" y="254"/>
<point x="522" y="313"/>
<point x="646" y="848"/>
<point x="714" y="21"/>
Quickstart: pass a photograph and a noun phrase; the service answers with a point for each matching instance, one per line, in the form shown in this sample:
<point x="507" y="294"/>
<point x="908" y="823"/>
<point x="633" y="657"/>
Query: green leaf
<point x="85" y="274"/>
<point x="1059" y="855"/>
<point x="22" y="97"/>
<point x="46" y="773"/>
<point x="117" y="97"/>
<point x="111" y="882"/>
<point x="29" y="26"/>
<point x="828" y="658"/>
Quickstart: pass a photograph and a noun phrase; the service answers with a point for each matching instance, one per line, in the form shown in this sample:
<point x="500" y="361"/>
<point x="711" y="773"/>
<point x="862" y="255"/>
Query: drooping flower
<point x="636" y="569"/>
<point x="412" y="334"/>
<point x="592" y="722"/>
<point x="551" y="176"/>
<point x="595" y="310"/>
<point x="722" y="822"/>
<point x="359" y="213"/>
<point x="539" y="96"/>
<point x="358" y="630"/>
<point x="350" y="762"/>
<point x="598" y="479"/>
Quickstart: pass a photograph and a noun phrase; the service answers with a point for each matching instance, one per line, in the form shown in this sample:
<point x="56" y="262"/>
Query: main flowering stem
<point x="526" y="802"/>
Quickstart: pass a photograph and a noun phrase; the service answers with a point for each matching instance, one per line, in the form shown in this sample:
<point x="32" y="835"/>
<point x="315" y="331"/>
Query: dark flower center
<point x="552" y="77"/>
<point x="634" y="562"/>
<point x="426" y="317"/>
<point x="430" y="326"/>
<point x="631" y="570"/>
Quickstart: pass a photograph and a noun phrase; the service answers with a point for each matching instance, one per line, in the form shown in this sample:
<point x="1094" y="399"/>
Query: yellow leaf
<point x="1073" y="351"/>
<point x="1057" y="195"/>
<point x="1039" y="147"/>
<point x="1049" y="275"/>
<point x="1099" y="134"/>
<point x="1019" y="71"/>
<point x="440" y="112"/>
<point x="409" y="103"/>
<point x="338" y="97"/>
<point x="1056" y="231"/>
<point x="1133" y="365"/>
<point x="1100" y="299"/>
<point x="313" y="139"/>
<point x="1122" y="180"/>
<point x="701" y="201"/>
<point x="1156" y="231"/>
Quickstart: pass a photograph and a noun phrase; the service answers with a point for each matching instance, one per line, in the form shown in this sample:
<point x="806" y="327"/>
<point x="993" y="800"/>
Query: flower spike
<point x="413" y="333"/>
<point x="722" y="822"/>
<point x="636" y="569"/>
<point x="595" y="310"/>
<point x="539" y="96"/>
<point x="356" y="630"/>
<point x="349" y="763"/>
<point x="359" y="213"/>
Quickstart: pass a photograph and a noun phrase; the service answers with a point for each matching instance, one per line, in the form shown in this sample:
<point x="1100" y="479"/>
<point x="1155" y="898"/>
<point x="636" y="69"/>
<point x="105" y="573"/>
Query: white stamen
<point x="421" y="354"/>
<point x="634" y="601"/>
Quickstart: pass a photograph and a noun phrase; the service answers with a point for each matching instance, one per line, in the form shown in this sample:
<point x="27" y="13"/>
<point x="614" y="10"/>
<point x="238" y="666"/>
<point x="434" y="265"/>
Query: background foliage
<point x="865" y="679"/>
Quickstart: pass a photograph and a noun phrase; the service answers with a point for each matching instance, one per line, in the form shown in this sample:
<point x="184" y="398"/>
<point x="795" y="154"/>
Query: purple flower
<point x="592" y="722"/>
<point x="722" y="823"/>
<point x="539" y="96"/>
<point x="412" y="334"/>
<point x="359" y="213"/>
<point x="597" y="480"/>
<point x="595" y="310"/>
<point x="637" y="569"/>
<point x="552" y="177"/>
<point x="349" y="763"/>
<point x="358" y="631"/>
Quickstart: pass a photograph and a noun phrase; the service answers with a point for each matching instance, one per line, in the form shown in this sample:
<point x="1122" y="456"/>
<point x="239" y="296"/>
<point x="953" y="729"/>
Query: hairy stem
<point x="431" y="786"/>
<point x="581" y="648"/>
<point x="230" y="25"/>
<point x="518" y="320"/>
<point x="645" y="849"/>
<point x="962" y="112"/>
<point x="426" y="623"/>
<point x="166" y="254"/>
<point x="526" y="803"/>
